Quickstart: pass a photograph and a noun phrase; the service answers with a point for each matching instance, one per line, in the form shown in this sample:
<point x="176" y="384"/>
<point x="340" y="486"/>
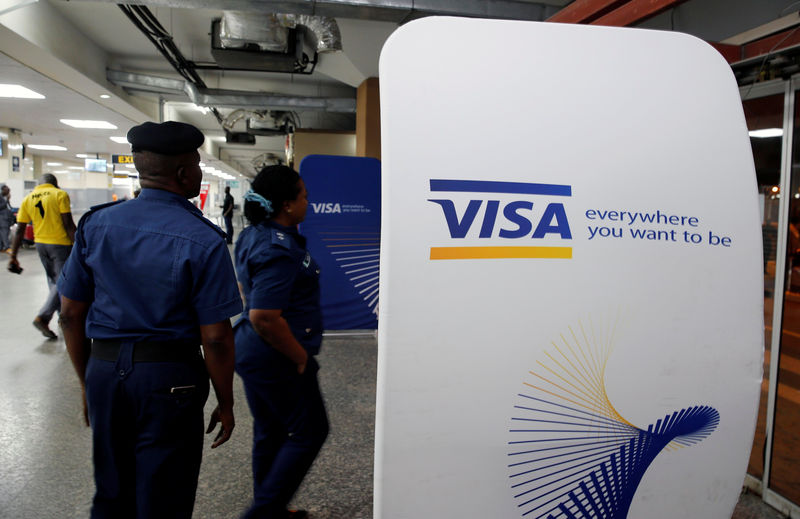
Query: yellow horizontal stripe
<point x="445" y="253"/>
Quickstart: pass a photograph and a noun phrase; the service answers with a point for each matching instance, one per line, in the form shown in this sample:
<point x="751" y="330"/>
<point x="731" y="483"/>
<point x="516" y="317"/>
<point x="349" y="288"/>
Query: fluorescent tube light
<point x="119" y="140"/>
<point x="46" y="147"/>
<point x="766" y="133"/>
<point x="19" y="92"/>
<point x="55" y="164"/>
<point x="95" y="125"/>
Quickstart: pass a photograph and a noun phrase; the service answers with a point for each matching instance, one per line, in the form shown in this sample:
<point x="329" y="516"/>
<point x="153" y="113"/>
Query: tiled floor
<point x="45" y="450"/>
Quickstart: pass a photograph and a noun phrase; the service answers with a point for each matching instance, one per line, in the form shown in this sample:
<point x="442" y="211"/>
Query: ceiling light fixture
<point x="75" y="168"/>
<point x="92" y="125"/>
<point x="19" y="92"/>
<point x="55" y="164"/>
<point x="105" y="96"/>
<point x="119" y="140"/>
<point x="46" y="147"/>
<point x="766" y="133"/>
<point x="82" y="156"/>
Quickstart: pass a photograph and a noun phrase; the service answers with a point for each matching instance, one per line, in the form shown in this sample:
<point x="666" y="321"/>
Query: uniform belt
<point x="149" y="351"/>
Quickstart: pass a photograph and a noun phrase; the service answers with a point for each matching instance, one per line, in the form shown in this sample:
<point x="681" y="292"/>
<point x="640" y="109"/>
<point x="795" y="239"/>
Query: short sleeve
<point x="76" y="281"/>
<point x="272" y="278"/>
<point x="63" y="202"/>
<point x="216" y="294"/>
<point x="22" y="215"/>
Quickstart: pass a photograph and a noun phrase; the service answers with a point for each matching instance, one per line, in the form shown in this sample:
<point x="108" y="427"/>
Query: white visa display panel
<point x="571" y="275"/>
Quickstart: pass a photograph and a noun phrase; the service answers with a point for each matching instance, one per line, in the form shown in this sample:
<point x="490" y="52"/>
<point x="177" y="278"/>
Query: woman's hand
<point x="273" y="328"/>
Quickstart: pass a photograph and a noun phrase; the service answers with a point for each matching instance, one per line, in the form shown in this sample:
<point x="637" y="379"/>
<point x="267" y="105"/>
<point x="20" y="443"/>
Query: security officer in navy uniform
<point x="148" y="281"/>
<point x="276" y="340"/>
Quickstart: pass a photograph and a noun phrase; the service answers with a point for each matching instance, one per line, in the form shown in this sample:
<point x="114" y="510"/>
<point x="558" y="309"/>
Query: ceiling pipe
<point x="230" y="98"/>
<point x="397" y="11"/>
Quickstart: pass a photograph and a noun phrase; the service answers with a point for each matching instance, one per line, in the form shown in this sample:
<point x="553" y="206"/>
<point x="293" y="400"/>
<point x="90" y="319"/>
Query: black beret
<point x="168" y="138"/>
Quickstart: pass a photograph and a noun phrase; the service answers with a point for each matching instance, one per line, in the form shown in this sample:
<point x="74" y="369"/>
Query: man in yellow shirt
<point x="48" y="208"/>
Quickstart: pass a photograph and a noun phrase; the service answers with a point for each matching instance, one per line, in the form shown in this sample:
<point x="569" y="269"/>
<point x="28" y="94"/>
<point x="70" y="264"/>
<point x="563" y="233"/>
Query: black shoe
<point x="42" y="327"/>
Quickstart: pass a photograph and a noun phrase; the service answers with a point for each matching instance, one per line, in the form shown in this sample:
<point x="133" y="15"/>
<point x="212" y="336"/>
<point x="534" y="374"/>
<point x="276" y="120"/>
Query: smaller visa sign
<point x="326" y="207"/>
<point x="530" y="216"/>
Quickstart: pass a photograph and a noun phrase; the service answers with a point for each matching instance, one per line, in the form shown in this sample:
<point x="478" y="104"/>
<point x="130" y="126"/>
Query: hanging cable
<point x="148" y="24"/>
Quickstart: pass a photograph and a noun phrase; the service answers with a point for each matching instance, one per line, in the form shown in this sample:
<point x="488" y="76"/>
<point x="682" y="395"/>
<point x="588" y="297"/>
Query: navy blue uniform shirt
<point x="152" y="268"/>
<point x="278" y="273"/>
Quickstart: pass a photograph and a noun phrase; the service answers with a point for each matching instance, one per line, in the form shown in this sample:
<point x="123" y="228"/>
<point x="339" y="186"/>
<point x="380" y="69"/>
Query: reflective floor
<point x="45" y="450"/>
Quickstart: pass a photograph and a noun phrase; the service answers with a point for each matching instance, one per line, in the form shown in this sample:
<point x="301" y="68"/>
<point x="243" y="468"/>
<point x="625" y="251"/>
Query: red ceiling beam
<point x="731" y="53"/>
<point x="584" y="11"/>
<point x="781" y="40"/>
<point x="636" y="11"/>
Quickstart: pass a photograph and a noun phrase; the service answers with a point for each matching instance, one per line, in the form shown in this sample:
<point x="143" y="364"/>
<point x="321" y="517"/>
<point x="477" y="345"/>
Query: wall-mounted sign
<point x="343" y="228"/>
<point x="571" y="324"/>
<point x="15" y="164"/>
<point x="122" y="159"/>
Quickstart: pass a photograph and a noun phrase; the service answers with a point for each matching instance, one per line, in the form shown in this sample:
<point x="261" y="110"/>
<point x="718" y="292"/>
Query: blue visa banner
<point x="343" y="225"/>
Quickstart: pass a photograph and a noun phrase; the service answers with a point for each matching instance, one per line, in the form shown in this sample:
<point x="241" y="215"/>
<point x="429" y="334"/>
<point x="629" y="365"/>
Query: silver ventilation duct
<point x="238" y="30"/>
<point x="270" y="32"/>
<point x="229" y="98"/>
<point x="322" y="33"/>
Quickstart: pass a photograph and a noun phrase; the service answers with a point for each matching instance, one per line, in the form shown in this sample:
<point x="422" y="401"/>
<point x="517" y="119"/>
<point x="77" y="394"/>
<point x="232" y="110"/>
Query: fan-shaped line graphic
<point x="360" y="262"/>
<point x="572" y="454"/>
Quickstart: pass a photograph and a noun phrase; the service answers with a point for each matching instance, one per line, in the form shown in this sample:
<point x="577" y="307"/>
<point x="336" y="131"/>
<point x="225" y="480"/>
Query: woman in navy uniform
<point x="276" y="340"/>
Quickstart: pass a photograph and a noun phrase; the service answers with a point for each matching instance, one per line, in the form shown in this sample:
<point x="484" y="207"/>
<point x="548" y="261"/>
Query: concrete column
<point x="39" y="165"/>
<point x="368" y="119"/>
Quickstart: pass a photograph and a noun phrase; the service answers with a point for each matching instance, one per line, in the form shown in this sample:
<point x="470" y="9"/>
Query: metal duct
<point x="238" y="30"/>
<point x="270" y="32"/>
<point x="397" y="11"/>
<point x="230" y="98"/>
<point x="322" y="33"/>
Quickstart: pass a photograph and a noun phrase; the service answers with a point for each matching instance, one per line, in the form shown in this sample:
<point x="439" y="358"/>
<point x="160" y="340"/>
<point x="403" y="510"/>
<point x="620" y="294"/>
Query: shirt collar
<point x="289" y="230"/>
<point x="159" y="195"/>
<point x="43" y="186"/>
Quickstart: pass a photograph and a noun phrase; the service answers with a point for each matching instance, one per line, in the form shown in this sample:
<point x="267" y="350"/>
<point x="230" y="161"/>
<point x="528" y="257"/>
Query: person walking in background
<point x="276" y="339"/>
<point x="48" y="208"/>
<point x="149" y="281"/>
<point x="5" y="217"/>
<point x="227" y="213"/>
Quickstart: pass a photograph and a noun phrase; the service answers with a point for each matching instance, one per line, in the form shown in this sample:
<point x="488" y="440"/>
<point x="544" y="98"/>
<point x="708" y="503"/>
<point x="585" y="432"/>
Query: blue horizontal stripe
<point x="486" y="186"/>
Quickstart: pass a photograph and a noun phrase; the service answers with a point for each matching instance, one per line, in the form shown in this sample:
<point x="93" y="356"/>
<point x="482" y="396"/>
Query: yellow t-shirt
<point x="44" y="207"/>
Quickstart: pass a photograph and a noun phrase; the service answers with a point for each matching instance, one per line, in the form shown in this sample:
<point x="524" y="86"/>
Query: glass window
<point x="785" y="472"/>
<point x="764" y="118"/>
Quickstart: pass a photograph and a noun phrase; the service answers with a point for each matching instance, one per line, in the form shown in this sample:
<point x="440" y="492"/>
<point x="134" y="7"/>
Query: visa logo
<point x="518" y="220"/>
<point x="518" y="214"/>
<point x="326" y="207"/>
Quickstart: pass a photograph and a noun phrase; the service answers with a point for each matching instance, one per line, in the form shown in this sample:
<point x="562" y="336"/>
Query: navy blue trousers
<point x="147" y="441"/>
<point x="229" y="228"/>
<point x="289" y="421"/>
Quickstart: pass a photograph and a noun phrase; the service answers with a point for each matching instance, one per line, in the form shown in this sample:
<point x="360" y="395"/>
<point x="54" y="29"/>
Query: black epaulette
<point x="208" y="222"/>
